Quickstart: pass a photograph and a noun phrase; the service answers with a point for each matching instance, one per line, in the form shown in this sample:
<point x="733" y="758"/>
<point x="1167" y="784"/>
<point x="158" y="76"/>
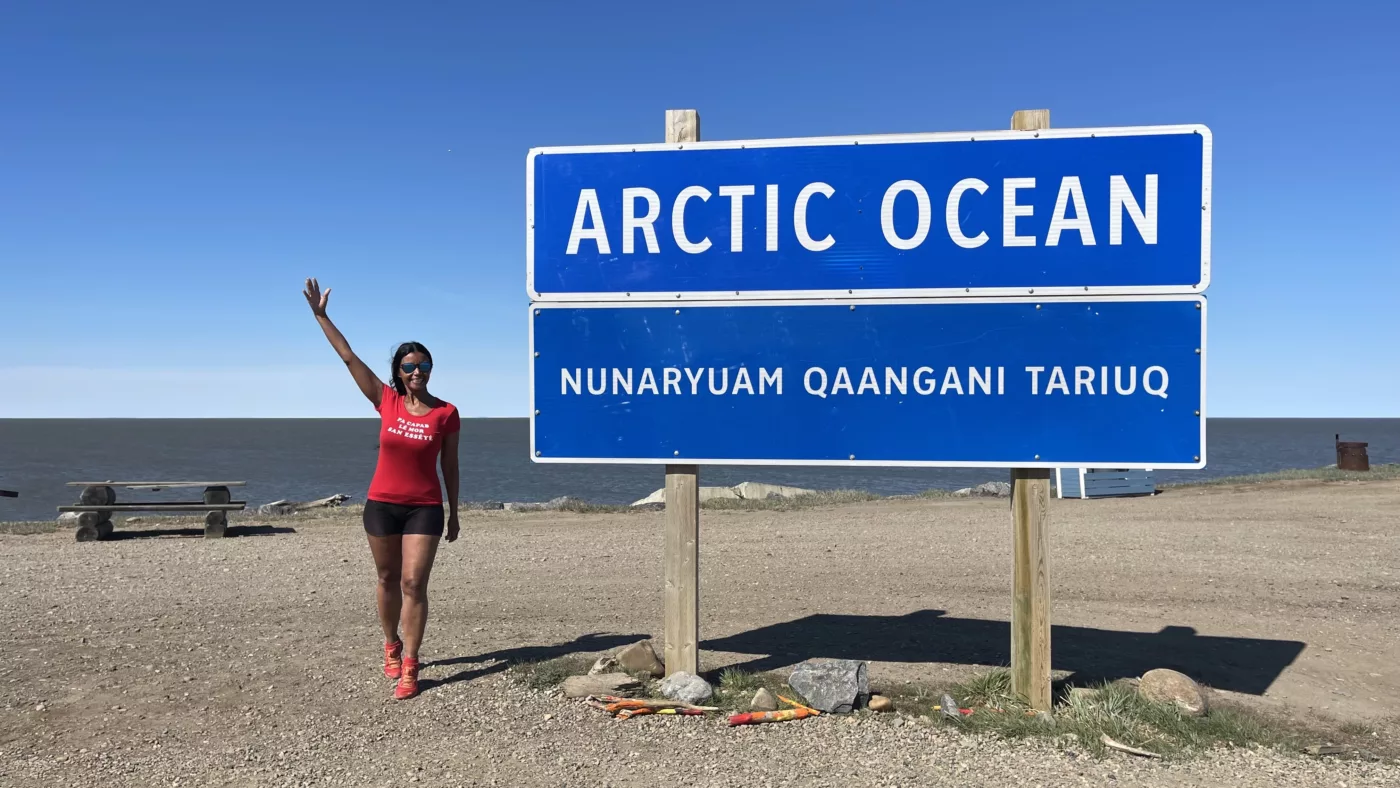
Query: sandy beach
<point x="163" y="659"/>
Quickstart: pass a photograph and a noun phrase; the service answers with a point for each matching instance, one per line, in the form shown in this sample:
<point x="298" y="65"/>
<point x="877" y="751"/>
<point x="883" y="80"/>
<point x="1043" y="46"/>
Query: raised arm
<point x="370" y="384"/>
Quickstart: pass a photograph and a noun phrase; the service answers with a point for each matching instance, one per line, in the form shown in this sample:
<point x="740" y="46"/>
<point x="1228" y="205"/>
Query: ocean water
<point x="312" y="458"/>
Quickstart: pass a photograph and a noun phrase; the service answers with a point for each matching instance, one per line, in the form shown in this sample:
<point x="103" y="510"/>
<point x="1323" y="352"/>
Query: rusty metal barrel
<point x="1351" y="456"/>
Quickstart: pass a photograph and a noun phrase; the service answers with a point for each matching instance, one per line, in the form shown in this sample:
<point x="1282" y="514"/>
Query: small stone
<point x="949" y="707"/>
<point x="763" y="700"/>
<point x="686" y="687"/>
<point x="881" y="703"/>
<point x="605" y="664"/>
<point x="133" y="519"/>
<point x="898" y="722"/>
<point x="40" y="707"/>
<point x="1163" y="685"/>
<point x="641" y="657"/>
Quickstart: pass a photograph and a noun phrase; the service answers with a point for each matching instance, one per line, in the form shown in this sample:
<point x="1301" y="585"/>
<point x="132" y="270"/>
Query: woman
<point x="403" y="511"/>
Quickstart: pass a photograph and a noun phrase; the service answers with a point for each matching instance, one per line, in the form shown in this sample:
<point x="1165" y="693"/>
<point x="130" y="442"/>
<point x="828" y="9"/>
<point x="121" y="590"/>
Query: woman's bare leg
<point x="388" y="562"/>
<point x="418" y="553"/>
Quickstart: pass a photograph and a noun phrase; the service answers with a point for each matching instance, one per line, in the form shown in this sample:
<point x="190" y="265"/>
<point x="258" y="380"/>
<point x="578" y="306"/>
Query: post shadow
<point x="505" y="658"/>
<point x="233" y="531"/>
<point x="1237" y="664"/>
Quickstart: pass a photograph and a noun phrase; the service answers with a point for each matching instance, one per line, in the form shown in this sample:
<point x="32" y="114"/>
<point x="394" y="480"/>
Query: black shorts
<point x="392" y="519"/>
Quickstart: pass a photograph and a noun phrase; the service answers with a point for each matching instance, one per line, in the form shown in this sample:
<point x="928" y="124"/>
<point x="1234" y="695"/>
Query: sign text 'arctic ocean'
<point x="1051" y="212"/>
<point x="1113" y="382"/>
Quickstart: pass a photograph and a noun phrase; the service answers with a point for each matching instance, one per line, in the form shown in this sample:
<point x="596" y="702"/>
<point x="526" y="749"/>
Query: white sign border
<point x="1200" y="299"/>
<point x="875" y="139"/>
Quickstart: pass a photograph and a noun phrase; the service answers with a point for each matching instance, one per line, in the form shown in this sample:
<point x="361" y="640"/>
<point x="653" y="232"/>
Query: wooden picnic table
<point x="98" y="501"/>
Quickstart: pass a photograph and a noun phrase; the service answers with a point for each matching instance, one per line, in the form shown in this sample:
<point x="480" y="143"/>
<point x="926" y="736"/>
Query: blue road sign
<point x="1053" y="212"/>
<point x="1093" y="382"/>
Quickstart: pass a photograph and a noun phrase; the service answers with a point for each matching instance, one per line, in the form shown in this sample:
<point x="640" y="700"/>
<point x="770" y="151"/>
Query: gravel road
<point x="164" y="660"/>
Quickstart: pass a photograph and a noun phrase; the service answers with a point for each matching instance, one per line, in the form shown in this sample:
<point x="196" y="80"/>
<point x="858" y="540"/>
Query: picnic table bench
<point x="98" y="501"/>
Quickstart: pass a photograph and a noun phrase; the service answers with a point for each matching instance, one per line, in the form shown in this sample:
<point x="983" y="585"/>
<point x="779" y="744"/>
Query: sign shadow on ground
<point x="1235" y="664"/>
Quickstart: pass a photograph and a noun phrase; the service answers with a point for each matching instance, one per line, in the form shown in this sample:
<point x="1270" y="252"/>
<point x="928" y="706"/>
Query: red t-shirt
<point x="409" y="447"/>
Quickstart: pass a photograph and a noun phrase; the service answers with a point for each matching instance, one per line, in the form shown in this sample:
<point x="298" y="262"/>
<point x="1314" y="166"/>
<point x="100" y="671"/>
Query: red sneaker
<point x="408" y="682"/>
<point x="393" y="659"/>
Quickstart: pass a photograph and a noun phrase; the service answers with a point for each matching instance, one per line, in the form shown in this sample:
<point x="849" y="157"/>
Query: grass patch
<point x="1115" y="710"/>
<point x="820" y="498"/>
<point x="28" y="529"/>
<point x="550" y="673"/>
<point x="1384" y="472"/>
<point x="735" y="689"/>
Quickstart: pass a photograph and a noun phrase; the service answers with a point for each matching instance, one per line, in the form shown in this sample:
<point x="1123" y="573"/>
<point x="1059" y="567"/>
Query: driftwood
<point x="93" y="526"/>
<point x="215" y="525"/>
<point x="1121" y="747"/>
<point x="292" y="507"/>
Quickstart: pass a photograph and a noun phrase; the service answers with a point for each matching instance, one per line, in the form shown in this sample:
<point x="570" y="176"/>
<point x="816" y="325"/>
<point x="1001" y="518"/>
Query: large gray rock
<point x="641" y="657"/>
<point x="993" y="490"/>
<point x="68" y="518"/>
<point x="552" y="505"/>
<point x="757" y="491"/>
<point x="686" y="687"/>
<point x="606" y="684"/>
<point x="835" y="686"/>
<point x="705" y="494"/>
<point x="1168" y="686"/>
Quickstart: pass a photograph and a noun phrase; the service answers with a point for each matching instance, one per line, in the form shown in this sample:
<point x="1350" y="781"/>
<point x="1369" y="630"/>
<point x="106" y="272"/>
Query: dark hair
<point x="404" y="350"/>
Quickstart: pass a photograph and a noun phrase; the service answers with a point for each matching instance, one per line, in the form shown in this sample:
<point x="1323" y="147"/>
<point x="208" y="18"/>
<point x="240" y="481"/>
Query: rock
<point x="881" y="703"/>
<point x="68" y="518"/>
<point x="949" y="707"/>
<point x="552" y="505"/>
<point x="993" y="490"/>
<point x="134" y="520"/>
<point x="758" y="491"/>
<point x="751" y="491"/>
<point x="835" y="686"/>
<point x="641" y="657"/>
<point x="964" y="492"/>
<point x="1168" y="686"/>
<point x="686" y="687"/>
<point x="706" y="494"/>
<point x="763" y="700"/>
<point x="485" y="506"/>
<point x="602" y="684"/>
<point x="605" y="664"/>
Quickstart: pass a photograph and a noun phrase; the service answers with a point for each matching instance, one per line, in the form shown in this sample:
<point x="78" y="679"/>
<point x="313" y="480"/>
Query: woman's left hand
<point x="453" y="527"/>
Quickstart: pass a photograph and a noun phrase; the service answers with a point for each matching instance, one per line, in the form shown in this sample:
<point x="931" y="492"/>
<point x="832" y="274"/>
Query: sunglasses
<point x="424" y="366"/>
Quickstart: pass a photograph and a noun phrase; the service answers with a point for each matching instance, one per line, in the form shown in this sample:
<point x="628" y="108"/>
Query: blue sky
<point x="171" y="171"/>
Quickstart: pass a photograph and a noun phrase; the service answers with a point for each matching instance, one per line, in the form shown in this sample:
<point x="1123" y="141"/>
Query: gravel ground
<point x="163" y="660"/>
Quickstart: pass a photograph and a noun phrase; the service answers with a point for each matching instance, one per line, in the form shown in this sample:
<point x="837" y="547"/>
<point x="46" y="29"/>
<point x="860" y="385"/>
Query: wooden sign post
<point x="681" y="554"/>
<point x="1030" y="516"/>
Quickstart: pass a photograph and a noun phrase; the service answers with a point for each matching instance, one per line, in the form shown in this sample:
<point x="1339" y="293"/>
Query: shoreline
<point x="805" y="499"/>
